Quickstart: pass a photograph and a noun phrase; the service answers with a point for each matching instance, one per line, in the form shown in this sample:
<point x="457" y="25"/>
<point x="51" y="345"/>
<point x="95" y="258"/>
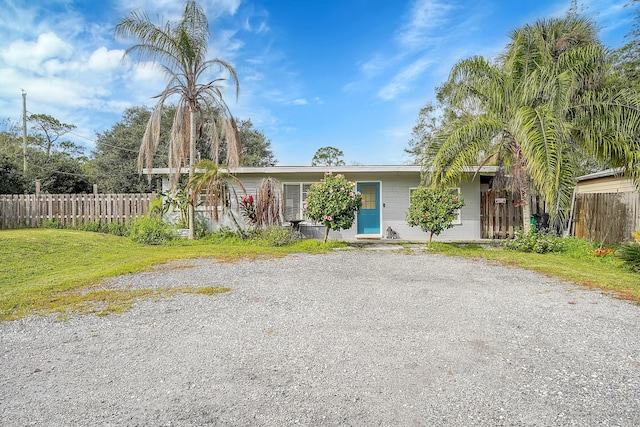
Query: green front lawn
<point x="575" y="264"/>
<point x="56" y="271"/>
<point x="46" y="271"/>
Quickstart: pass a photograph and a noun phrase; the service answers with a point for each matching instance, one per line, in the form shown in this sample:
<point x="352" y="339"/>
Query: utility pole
<point x="24" y="132"/>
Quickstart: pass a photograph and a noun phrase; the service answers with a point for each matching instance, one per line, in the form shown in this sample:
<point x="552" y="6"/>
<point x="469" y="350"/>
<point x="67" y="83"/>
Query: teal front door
<point x="369" y="214"/>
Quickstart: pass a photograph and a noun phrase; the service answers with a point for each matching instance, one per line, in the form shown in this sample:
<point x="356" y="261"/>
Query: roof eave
<point x="276" y="170"/>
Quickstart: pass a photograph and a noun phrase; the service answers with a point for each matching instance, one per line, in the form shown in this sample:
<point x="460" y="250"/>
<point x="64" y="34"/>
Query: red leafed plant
<point x="600" y="252"/>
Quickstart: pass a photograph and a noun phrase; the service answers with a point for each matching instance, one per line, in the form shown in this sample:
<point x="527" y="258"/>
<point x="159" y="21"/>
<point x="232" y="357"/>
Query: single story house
<point x="386" y="190"/>
<point x="606" y="207"/>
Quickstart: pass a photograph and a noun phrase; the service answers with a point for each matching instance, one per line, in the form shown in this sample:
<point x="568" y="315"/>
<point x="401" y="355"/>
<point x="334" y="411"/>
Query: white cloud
<point x="103" y="59"/>
<point x="224" y="45"/>
<point x="373" y="66"/>
<point x="172" y="9"/>
<point x="299" y="101"/>
<point x="148" y="71"/>
<point x="424" y="17"/>
<point x="30" y="55"/>
<point x="420" y="32"/>
<point x="261" y="27"/>
<point x="254" y="77"/>
<point x="401" y="82"/>
<point x="224" y="6"/>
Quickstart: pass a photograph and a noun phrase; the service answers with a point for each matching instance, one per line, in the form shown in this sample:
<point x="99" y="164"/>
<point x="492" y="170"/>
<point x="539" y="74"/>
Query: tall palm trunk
<point x="526" y="208"/>
<point x="192" y="163"/>
<point x="181" y="49"/>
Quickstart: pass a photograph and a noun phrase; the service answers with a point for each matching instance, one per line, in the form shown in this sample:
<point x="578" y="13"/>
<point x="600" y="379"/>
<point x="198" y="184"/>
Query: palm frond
<point x="179" y="141"/>
<point x="545" y="143"/>
<point x="215" y="183"/>
<point x="269" y="203"/>
<point x="452" y="153"/>
<point x="150" y="139"/>
<point x="181" y="51"/>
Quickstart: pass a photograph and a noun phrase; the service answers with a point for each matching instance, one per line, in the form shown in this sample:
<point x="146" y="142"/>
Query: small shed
<point x="606" y="207"/>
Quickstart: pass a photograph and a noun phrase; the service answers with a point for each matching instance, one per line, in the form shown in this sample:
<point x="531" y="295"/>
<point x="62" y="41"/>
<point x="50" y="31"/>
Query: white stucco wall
<point x="395" y="193"/>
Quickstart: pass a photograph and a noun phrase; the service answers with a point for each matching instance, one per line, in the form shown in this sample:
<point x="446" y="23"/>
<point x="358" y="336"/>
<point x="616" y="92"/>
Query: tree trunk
<point x="430" y="238"/>
<point x="526" y="208"/>
<point x="192" y="163"/>
<point x="326" y="234"/>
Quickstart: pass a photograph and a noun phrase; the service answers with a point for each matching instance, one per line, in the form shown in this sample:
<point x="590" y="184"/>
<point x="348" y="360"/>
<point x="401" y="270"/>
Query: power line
<point x="103" y="143"/>
<point x="114" y="146"/>
<point x="42" y="168"/>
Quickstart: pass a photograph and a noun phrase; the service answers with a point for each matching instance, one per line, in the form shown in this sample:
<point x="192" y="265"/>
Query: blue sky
<point x="352" y="74"/>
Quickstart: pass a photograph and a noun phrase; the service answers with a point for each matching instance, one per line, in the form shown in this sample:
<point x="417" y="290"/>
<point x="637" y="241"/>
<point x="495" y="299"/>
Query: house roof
<point x="276" y="170"/>
<point x="601" y="174"/>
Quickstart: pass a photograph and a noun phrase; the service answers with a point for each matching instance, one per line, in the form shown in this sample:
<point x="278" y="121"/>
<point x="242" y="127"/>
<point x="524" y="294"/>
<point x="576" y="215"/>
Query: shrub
<point x="276" y="236"/>
<point x="115" y="228"/>
<point x="433" y="210"/>
<point x="532" y="241"/>
<point x="200" y="227"/>
<point x="224" y="234"/>
<point x="53" y="223"/>
<point x="151" y="231"/>
<point x="333" y="203"/>
<point x="271" y="236"/>
<point x="630" y="254"/>
<point x="248" y="210"/>
<point x="94" y="226"/>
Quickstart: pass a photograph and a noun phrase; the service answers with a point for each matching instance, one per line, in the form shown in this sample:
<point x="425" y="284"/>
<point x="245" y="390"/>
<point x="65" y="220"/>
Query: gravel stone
<point x="348" y="338"/>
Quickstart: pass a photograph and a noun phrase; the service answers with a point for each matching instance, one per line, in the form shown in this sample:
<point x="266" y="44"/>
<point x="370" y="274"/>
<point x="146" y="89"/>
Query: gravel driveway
<point x="354" y="337"/>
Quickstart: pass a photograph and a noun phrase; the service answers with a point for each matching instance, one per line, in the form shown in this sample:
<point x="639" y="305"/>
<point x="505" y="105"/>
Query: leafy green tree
<point x="59" y="173"/>
<point x="328" y="156"/>
<point x="10" y="141"/>
<point x="114" y="161"/>
<point x="432" y="119"/>
<point x="57" y="165"/>
<point x="180" y="48"/>
<point x="628" y="56"/>
<point x="333" y="203"/>
<point x="11" y="179"/>
<point x="423" y="132"/>
<point x="256" y="147"/>
<point x="547" y="97"/>
<point x="433" y="209"/>
<point x="49" y="130"/>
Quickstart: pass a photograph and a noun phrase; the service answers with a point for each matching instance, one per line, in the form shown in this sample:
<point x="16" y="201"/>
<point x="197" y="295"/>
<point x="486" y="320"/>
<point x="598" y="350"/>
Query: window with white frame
<point x="295" y="195"/>
<point x="457" y="216"/>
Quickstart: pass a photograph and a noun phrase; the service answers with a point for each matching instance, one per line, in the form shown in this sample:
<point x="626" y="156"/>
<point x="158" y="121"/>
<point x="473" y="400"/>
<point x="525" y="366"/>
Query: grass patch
<point x="101" y="302"/>
<point x="576" y="263"/>
<point x="50" y="271"/>
<point x="55" y="271"/>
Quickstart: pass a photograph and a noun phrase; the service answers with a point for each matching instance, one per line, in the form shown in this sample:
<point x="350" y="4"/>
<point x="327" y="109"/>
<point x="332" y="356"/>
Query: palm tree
<point x="180" y="49"/>
<point x="214" y="182"/>
<point x="529" y="112"/>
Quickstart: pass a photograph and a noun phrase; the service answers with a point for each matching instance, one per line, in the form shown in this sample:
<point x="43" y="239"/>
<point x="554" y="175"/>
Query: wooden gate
<point x="501" y="213"/>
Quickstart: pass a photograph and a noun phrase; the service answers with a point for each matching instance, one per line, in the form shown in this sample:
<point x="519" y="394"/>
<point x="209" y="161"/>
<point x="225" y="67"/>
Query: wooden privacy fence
<point x="606" y="217"/>
<point x="30" y="210"/>
<point x="501" y="214"/>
